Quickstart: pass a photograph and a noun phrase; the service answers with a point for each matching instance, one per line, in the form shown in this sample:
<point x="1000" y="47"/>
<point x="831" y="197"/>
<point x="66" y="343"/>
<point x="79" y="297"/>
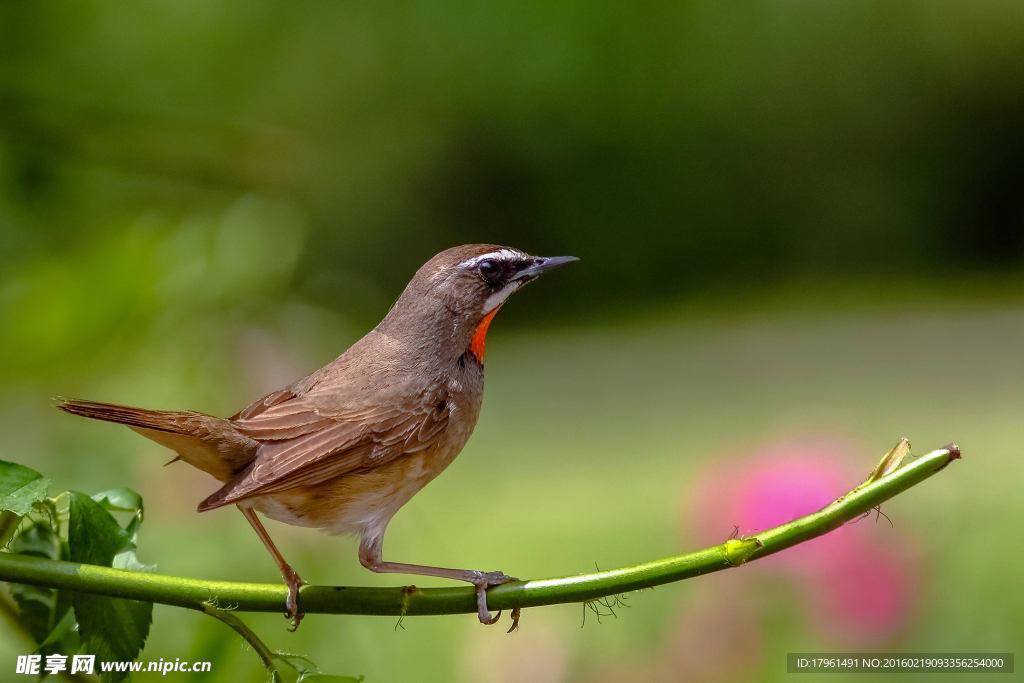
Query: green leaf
<point x="64" y="638"/>
<point x="65" y="627"/>
<point x="119" y="500"/>
<point x="93" y="533"/>
<point x="126" y="500"/>
<point x="110" y="628"/>
<point x="46" y="613"/>
<point x="35" y="607"/>
<point x="38" y="540"/>
<point x="128" y="560"/>
<point x="21" y="488"/>
<point x="328" y="678"/>
<point x="9" y="523"/>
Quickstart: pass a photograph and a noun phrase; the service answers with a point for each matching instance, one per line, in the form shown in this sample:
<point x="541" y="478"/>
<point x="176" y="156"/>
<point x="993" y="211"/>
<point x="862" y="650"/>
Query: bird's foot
<point x="483" y="580"/>
<point x="292" y="601"/>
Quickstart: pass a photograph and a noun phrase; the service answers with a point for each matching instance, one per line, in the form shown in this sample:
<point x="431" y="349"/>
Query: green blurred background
<point x="801" y="232"/>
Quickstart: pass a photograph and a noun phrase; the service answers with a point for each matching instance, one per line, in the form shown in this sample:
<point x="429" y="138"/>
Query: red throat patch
<point x="476" y="347"/>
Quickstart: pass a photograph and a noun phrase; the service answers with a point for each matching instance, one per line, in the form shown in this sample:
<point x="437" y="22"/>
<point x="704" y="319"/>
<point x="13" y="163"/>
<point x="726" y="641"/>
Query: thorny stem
<point x="254" y="597"/>
<point x="247" y="633"/>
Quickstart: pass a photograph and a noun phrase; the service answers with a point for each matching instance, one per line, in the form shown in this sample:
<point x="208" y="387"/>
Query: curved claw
<point x="296" y="618"/>
<point x="515" y="620"/>
<point x="292" y="601"/>
<point x="481" y="606"/>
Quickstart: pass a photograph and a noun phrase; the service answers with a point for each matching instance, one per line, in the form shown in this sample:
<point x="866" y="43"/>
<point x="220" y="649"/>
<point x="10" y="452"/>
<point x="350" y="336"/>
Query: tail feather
<point x="208" y="443"/>
<point x="160" y="420"/>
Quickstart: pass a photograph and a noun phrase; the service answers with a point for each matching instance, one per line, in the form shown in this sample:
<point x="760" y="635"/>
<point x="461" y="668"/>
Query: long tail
<point x="160" y="420"/>
<point x="208" y="443"/>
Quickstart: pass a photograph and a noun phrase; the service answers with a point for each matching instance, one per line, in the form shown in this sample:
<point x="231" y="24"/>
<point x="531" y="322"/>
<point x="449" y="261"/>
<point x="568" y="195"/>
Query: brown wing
<point x="300" y="446"/>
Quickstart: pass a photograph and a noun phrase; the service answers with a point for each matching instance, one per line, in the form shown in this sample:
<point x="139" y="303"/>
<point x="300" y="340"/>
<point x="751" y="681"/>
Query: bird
<point x="343" y="449"/>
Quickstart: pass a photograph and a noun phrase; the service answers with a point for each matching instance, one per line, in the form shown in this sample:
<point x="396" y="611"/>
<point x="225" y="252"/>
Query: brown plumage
<point x="344" y="448"/>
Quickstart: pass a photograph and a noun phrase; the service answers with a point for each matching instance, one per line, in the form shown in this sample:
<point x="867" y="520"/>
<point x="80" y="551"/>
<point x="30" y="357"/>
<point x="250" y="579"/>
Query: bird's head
<point x="456" y="293"/>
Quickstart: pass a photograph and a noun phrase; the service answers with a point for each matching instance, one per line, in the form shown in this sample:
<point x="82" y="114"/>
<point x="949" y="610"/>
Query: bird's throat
<point x="476" y="346"/>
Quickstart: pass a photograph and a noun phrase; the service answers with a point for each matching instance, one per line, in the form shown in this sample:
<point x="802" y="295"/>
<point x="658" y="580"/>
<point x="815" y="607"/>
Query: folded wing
<point x="301" y="444"/>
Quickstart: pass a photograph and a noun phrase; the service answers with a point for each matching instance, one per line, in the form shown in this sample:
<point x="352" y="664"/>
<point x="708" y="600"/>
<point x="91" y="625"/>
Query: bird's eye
<point x="490" y="271"/>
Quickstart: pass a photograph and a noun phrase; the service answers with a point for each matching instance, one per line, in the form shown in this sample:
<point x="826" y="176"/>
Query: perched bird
<point x="344" y="448"/>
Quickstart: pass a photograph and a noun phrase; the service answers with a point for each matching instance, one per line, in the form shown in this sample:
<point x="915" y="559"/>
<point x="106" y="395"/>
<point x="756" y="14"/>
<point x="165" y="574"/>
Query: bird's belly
<point x="358" y="502"/>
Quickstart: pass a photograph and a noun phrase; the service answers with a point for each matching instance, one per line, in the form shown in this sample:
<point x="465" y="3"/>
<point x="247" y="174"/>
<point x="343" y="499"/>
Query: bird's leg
<point x="371" y="556"/>
<point x="290" y="577"/>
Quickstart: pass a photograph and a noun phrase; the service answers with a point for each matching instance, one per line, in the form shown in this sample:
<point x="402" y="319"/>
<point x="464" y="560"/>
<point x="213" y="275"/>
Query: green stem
<point x="255" y="597"/>
<point x="247" y="633"/>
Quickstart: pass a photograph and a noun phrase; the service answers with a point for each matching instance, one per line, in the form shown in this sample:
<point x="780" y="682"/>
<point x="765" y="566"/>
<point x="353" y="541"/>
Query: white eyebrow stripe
<point x="500" y="255"/>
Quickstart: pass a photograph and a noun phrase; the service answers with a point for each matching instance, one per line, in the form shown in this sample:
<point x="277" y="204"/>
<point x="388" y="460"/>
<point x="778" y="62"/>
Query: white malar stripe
<point x="500" y="255"/>
<point x="498" y="298"/>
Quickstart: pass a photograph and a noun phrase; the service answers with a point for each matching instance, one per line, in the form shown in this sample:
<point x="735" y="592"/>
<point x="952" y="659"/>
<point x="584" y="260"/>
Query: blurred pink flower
<point x="857" y="582"/>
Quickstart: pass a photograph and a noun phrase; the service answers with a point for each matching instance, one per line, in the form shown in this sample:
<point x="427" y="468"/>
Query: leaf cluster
<point x="76" y="527"/>
<point x="66" y="622"/>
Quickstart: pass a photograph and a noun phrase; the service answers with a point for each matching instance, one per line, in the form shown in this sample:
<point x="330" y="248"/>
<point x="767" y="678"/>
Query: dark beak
<point x="543" y="265"/>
